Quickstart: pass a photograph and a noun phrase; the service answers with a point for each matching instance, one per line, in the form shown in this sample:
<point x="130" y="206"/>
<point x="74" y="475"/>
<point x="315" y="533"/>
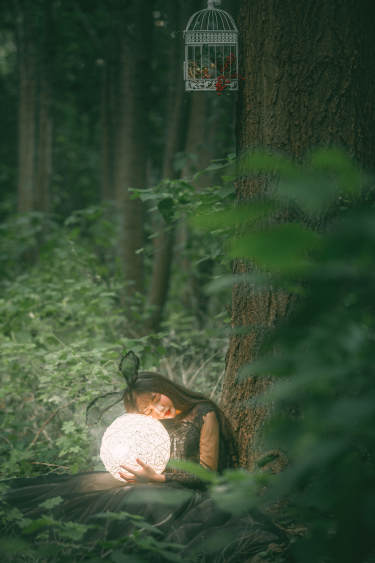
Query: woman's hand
<point x="147" y="473"/>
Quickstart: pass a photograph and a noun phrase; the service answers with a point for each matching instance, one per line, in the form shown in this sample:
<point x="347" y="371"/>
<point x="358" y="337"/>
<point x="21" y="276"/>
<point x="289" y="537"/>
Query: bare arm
<point x="208" y="458"/>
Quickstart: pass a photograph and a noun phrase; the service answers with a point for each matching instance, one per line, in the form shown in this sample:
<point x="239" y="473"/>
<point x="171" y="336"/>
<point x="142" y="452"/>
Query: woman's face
<point x="156" y="405"/>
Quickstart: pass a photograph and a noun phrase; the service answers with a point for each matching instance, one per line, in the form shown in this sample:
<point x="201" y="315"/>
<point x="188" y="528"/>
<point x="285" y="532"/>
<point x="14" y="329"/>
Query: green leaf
<point x="255" y="280"/>
<point x="51" y="503"/>
<point x="73" y="530"/>
<point x="339" y="163"/>
<point x="119" y="557"/>
<point x="194" y="468"/>
<point x="14" y="546"/>
<point x="281" y="248"/>
<point x="244" y="215"/>
<point x="256" y="161"/>
<point x="167" y="209"/>
<point x="39" y="523"/>
<point x="123" y="515"/>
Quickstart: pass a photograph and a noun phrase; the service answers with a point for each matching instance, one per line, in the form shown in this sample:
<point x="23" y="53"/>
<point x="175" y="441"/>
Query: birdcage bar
<point x="215" y="67"/>
<point x="211" y="50"/>
<point x="206" y="62"/>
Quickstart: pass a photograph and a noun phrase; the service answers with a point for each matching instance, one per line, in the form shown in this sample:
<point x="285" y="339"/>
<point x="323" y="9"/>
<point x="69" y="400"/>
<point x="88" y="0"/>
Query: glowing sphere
<point x="132" y="436"/>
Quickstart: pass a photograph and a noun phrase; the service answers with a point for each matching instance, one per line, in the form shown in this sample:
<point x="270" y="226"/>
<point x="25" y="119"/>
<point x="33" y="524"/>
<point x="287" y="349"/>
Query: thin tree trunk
<point x="200" y="142"/>
<point x="164" y="241"/>
<point x="107" y="131"/>
<point x="44" y="148"/>
<point x="132" y="141"/>
<point x="204" y="270"/>
<point x="307" y="83"/>
<point x="26" y="117"/>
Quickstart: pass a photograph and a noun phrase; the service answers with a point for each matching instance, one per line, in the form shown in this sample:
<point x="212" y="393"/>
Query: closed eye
<point x="155" y="398"/>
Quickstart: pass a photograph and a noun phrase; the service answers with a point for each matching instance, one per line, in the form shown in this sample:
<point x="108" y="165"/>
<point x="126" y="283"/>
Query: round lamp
<point x="132" y="436"/>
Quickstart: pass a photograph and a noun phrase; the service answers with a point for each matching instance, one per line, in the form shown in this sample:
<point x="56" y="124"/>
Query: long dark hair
<point x="184" y="400"/>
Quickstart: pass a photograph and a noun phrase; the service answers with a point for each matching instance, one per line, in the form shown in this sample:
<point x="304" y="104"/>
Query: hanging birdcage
<point x="211" y="50"/>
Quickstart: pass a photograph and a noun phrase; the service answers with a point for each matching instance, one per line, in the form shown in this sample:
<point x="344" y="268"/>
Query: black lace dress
<point x="180" y="508"/>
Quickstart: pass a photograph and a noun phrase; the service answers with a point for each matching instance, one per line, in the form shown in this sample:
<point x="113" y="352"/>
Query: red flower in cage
<point x="222" y="82"/>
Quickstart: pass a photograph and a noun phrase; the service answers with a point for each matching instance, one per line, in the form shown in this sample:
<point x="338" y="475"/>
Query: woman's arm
<point x="209" y="442"/>
<point x="208" y="458"/>
<point x="208" y="453"/>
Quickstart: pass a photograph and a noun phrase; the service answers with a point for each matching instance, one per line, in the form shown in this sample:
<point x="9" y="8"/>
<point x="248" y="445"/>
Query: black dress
<point x="180" y="509"/>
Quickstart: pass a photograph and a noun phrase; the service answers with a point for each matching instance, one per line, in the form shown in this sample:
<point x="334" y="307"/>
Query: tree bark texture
<point x="26" y="116"/>
<point x="131" y="138"/>
<point x="309" y="81"/>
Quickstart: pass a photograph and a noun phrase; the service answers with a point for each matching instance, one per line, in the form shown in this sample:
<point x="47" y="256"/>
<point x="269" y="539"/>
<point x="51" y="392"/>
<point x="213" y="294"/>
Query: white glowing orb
<point x="132" y="436"/>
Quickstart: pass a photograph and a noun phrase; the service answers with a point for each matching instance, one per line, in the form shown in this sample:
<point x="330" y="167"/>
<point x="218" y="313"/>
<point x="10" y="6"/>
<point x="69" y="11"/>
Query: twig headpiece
<point x="128" y="367"/>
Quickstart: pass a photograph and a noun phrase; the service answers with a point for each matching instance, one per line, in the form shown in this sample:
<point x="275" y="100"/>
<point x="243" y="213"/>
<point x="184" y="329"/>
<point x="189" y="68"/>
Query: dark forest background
<point x="103" y="155"/>
<point x="226" y="239"/>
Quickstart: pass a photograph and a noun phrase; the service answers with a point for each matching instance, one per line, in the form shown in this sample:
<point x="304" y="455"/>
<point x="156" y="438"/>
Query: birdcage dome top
<point x="211" y="19"/>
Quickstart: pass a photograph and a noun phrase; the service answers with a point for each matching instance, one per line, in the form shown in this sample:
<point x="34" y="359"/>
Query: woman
<point x="175" y="502"/>
<point x="197" y="428"/>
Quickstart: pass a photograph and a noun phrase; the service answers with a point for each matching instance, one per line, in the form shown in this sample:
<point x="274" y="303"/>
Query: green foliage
<point x="322" y="357"/>
<point x="178" y="199"/>
<point x="189" y="331"/>
<point x="62" y="328"/>
<point x="49" y="539"/>
<point x="60" y="336"/>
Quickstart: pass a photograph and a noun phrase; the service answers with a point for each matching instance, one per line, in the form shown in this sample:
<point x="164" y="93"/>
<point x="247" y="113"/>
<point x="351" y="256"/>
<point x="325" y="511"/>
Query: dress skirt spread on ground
<point x="180" y="508"/>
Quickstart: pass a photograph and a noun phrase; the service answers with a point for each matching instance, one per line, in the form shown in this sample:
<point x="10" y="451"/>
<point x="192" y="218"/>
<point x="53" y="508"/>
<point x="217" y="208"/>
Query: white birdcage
<point x="211" y="50"/>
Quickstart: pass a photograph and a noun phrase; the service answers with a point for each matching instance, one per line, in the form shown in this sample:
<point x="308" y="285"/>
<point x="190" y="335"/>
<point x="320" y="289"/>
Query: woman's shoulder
<point x="203" y="408"/>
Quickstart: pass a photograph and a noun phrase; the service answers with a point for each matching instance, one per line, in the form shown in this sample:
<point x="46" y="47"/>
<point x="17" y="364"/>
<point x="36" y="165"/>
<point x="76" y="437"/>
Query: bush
<point x="322" y="358"/>
<point x="63" y="327"/>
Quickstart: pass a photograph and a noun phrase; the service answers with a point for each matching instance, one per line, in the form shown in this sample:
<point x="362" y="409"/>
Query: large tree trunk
<point x="164" y="241"/>
<point x="26" y="116"/>
<point x="131" y="144"/>
<point x="309" y="81"/>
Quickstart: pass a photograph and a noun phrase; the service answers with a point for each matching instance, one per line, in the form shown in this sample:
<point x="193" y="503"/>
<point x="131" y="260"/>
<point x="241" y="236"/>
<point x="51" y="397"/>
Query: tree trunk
<point x="309" y="81"/>
<point x="131" y="149"/>
<point x="164" y="241"/>
<point x="44" y="147"/>
<point x="200" y="142"/>
<point x="107" y="131"/>
<point x="194" y="141"/>
<point x="26" y="117"/>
